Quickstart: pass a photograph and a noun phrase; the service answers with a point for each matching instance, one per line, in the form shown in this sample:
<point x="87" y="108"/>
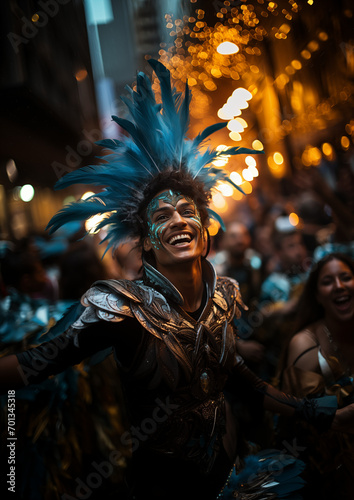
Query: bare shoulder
<point x="302" y="350"/>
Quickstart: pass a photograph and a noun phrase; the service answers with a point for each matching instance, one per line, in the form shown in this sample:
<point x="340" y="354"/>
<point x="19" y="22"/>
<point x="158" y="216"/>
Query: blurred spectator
<point x="22" y="270"/>
<point x="339" y="202"/>
<point x="318" y="361"/>
<point x="315" y="222"/>
<point x="263" y="244"/>
<point x="239" y="261"/>
<point x="280" y="292"/>
<point x="79" y="268"/>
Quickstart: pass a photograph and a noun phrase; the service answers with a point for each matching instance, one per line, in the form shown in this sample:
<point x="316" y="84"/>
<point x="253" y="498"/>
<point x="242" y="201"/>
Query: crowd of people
<point x="152" y="376"/>
<point x="288" y="336"/>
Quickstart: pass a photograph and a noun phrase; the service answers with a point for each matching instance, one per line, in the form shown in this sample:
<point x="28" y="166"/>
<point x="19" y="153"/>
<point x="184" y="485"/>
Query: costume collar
<point x="157" y="280"/>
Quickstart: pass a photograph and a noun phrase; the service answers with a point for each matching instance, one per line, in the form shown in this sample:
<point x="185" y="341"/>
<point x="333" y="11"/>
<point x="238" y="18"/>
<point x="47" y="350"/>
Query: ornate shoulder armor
<point x="228" y="296"/>
<point x="113" y="300"/>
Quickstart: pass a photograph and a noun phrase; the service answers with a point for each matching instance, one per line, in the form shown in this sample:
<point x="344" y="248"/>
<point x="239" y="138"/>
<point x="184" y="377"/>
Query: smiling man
<point x="172" y="332"/>
<point x="177" y="239"/>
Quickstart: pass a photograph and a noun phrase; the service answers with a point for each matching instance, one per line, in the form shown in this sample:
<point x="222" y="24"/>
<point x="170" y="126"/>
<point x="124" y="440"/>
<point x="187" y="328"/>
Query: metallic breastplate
<point x="191" y="358"/>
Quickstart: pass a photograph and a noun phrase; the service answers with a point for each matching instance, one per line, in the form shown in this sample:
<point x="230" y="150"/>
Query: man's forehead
<point x="169" y="197"/>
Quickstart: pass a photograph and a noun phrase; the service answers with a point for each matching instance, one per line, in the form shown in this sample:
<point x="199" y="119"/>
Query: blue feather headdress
<point x="157" y="143"/>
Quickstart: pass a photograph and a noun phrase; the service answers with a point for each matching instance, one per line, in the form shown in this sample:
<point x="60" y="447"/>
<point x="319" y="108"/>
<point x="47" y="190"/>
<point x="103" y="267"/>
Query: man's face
<point x="237" y="239"/>
<point x="175" y="229"/>
<point x="293" y="252"/>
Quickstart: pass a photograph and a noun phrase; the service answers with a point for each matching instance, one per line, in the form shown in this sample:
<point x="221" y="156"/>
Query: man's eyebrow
<point x="162" y="209"/>
<point x="166" y="208"/>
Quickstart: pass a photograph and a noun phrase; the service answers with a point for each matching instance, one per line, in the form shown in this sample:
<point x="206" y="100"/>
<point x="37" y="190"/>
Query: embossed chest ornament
<point x="196" y="345"/>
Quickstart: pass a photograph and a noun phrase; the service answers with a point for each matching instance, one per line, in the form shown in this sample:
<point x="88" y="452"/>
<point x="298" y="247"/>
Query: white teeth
<point x="179" y="237"/>
<point x="339" y="300"/>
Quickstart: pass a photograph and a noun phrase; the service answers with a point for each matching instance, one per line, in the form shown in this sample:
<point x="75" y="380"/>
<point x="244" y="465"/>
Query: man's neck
<point x="187" y="278"/>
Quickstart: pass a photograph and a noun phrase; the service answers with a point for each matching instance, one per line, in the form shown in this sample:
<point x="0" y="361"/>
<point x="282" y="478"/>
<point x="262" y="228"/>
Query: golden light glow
<point x="285" y="28"/>
<point x="92" y="223"/>
<point x="221" y="147"/>
<point x="222" y="159"/>
<point x="243" y="122"/>
<point x="327" y="150"/>
<point x="250" y="161"/>
<point x="254" y="171"/>
<point x="242" y="94"/>
<point x="296" y="64"/>
<point x="199" y="56"/>
<point x="290" y="70"/>
<point x="247" y="187"/>
<point x="235" y="126"/>
<point x="225" y="189"/>
<point x="236" y="178"/>
<point x="247" y="174"/>
<point x="237" y="195"/>
<point x="210" y="85"/>
<point x="311" y="156"/>
<point x="213" y="227"/>
<point x="345" y="143"/>
<point x="219" y="201"/>
<point x="306" y="54"/>
<point x="35" y="18"/>
<point x="316" y="156"/>
<point x="313" y="46"/>
<point x="81" y="75"/>
<point x="87" y="195"/>
<point x="220" y="162"/>
<point x="236" y="103"/>
<point x="235" y="136"/>
<point x="216" y="73"/>
<point x="293" y="219"/>
<point x="276" y="170"/>
<point x="228" y="112"/>
<point x="323" y="36"/>
<point x="227" y="48"/>
<point x="278" y="158"/>
<point x="257" y="145"/>
<point x="192" y="82"/>
<point x="281" y="81"/>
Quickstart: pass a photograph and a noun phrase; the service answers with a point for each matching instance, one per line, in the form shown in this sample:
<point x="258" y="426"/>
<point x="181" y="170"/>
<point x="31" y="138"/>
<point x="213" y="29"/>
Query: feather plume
<point x="157" y="141"/>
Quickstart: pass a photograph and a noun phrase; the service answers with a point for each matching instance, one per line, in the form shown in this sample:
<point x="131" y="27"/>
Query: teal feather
<point x="157" y="141"/>
<point x="208" y="131"/>
<point x="280" y="474"/>
<point x="216" y="216"/>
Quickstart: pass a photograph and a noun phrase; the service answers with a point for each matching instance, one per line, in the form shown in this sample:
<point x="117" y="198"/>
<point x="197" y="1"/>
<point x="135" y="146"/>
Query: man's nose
<point x="177" y="219"/>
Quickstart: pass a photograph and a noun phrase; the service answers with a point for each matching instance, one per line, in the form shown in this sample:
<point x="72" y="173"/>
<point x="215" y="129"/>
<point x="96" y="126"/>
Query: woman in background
<point x="318" y="361"/>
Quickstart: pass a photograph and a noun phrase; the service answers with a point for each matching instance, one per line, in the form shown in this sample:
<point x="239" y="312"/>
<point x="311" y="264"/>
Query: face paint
<point x="171" y="198"/>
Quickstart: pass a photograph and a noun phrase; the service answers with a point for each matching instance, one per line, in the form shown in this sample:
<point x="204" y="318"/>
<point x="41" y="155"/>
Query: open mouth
<point x="342" y="302"/>
<point x="180" y="239"/>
